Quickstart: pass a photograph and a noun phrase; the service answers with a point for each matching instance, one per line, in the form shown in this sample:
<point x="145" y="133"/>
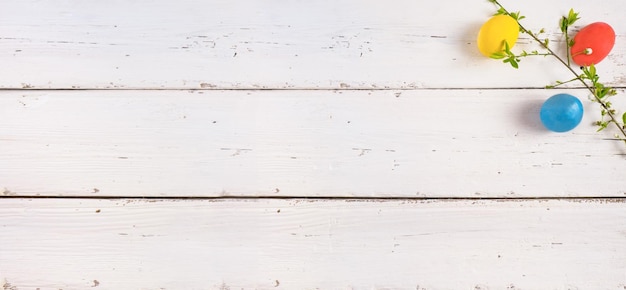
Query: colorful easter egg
<point x="592" y="44"/>
<point x="561" y="113"/>
<point x="495" y="32"/>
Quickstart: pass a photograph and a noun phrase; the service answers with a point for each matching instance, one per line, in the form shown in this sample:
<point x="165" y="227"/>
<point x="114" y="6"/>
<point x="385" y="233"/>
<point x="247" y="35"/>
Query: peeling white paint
<point x="315" y="99"/>
<point x="192" y="44"/>
<point x="353" y="244"/>
<point x="248" y="143"/>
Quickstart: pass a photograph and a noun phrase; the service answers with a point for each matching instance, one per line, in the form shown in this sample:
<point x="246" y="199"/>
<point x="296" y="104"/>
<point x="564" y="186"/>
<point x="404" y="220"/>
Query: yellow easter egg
<point x="494" y="32"/>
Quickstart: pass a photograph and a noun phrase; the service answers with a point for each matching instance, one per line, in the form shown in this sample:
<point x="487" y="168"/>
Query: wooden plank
<point x="418" y="143"/>
<point x="228" y="44"/>
<point x="312" y="244"/>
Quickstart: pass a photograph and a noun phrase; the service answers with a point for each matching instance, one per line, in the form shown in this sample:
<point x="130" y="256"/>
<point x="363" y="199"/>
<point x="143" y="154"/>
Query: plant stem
<point x="566" y="42"/>
<point x="562" y="83"/>
<point x="530" y="54"/>
<point x="568" y="66"/>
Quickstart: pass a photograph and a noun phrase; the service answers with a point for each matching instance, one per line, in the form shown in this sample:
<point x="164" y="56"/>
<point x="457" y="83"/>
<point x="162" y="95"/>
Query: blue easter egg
<point x="561" y="113"/>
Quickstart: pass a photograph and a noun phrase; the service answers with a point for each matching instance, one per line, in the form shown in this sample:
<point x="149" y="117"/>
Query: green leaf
<point x="601" y="91"/>
<point x="602" y="124"/>
<point x="501" y="11"/>
<point x="507" y="48"/>
<point x="572" y="17"/>
<point x="590" y="73"/>
<point x="624" y="119"/>
<point x="498" y="55"/>
<point x="563" y="24"/>
<point x="516" y="15"/>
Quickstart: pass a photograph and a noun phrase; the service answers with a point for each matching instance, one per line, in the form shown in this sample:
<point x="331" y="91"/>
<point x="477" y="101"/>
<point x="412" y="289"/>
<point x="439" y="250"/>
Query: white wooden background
<point x="259" y="144"/>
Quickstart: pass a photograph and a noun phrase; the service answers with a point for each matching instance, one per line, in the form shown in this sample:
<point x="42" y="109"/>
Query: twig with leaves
<point x="588" y="78"/>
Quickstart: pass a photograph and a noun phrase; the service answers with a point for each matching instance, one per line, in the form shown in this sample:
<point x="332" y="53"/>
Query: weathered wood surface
<point x="419" y="143"/>
<point x="309" y="99"/>
<point x="276" y="44"/>
<point x="312" y="244"/>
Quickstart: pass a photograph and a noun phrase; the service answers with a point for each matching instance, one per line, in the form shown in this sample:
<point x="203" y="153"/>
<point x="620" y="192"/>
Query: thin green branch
<point x="569" y="57"/>
<point x="566" y="22"/>
<point x="560" y="83"/>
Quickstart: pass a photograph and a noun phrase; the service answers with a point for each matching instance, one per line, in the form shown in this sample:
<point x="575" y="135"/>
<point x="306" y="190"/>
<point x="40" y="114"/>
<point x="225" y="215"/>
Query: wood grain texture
<point x="418" y="143"/>
<point x="307" y="102"/>
<point x="227" y="44"/>
<point x="304" y="244"/>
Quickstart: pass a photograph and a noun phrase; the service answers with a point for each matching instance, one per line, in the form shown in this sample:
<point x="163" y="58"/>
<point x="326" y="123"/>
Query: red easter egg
<point x="592" y="43"/>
